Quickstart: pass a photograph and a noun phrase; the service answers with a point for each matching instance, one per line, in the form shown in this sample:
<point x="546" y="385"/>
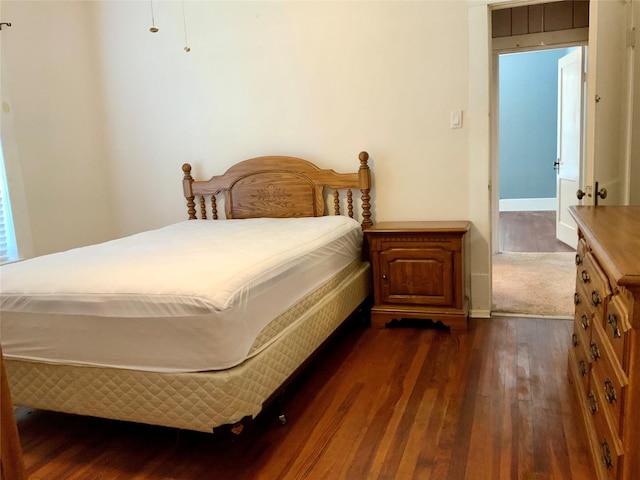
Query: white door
<point x="608" y="103"/>
<point x="569" y="150"/>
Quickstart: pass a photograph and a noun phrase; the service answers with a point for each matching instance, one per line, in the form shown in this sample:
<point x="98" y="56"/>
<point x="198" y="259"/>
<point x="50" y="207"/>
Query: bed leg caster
<point x="283" y="419"/>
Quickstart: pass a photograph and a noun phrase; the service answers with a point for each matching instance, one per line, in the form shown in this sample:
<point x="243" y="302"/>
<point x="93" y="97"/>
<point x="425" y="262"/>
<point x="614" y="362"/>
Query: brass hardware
<point x="595" y="351"/>
<point x="578" y="259"/>
<point x="580" y="194"/>
<point x="606" y="459"/>
<point x="611" y="320"/>
<point x="576" y="298"/>
<point x="582" y="368"/>
<point x="585" y="321"/>
<point x="595" y="298"/>
<point x="602" y="193"/>
<point x="153" y="28"/>
<point x="574" y="340"/>
<point x="593" y="403"/>
<point x="585" y="276"/>
<point x="609" y="391"/>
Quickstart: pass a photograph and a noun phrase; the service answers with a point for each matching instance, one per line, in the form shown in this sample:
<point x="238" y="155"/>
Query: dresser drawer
<point x="609" y="448"/>
<point x="608" y="378"/>
<point x="579" y="360"/>
<point x="594" y="283"/>
<point x="617" y="328"/>
<point x="581" y="251"/>
<point x="582" y="321"/>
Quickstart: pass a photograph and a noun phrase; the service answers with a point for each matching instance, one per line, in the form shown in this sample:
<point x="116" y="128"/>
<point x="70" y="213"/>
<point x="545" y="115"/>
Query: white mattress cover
<point x="191" y="296"/>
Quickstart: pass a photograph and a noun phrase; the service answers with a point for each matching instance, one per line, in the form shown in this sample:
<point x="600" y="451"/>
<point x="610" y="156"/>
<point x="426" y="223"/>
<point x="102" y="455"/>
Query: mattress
<point x="192" y="296"/>
<point x="193" y="400"/>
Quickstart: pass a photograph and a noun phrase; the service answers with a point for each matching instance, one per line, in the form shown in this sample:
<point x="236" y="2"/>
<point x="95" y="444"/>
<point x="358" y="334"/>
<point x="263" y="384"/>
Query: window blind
<point x="8" y="247"/>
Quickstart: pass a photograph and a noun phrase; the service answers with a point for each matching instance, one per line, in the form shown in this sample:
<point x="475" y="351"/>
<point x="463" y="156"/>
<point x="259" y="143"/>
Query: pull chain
<point x="153" y="28"/>
<point x="184" y="22"/>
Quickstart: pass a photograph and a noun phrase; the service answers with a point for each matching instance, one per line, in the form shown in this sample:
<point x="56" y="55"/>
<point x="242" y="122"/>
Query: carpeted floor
<point x="540" y="284"/>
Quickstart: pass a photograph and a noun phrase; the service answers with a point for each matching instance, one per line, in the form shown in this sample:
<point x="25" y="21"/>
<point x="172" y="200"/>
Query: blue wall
<point x="528" y="122"/>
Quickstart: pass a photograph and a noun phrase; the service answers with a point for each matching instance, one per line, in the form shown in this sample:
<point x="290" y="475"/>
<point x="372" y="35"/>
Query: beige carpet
<point x="534" y="283"/>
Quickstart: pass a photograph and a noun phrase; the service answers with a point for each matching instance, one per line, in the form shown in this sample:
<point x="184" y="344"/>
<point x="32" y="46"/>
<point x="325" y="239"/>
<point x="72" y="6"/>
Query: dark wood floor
<point x="491" y="403"/>
<point x="529" y="232"/>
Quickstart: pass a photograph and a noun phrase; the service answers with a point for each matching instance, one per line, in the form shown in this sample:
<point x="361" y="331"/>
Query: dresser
<point x="604" y="355"/>
<point x="418" y="272"/>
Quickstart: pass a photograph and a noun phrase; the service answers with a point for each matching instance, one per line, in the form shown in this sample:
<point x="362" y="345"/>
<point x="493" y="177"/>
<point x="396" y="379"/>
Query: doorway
<point x="528" y="149"/>
<point x="533" y="272"/>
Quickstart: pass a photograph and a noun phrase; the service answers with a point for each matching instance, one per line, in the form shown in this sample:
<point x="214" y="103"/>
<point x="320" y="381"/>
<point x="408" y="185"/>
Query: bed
<point x="169" y="327"/>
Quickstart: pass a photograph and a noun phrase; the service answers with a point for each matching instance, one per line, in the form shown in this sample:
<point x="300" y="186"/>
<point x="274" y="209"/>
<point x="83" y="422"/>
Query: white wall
<point x="321" y="80"/>
<point x="53" y="125"/>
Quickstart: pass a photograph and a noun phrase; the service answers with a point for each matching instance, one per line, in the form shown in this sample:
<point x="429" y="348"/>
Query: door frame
<point x="552" y="41"/>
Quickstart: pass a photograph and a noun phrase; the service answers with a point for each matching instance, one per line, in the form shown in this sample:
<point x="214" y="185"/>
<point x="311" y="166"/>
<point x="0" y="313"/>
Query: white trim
<point x="531" y="315"/>
<point x="479" y="314"/>
<point x="527" y="204"/>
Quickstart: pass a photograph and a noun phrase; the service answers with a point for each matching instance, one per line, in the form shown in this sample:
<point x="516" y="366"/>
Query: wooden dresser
<point x="418" y="272"/>
<point x="604" y="356"/>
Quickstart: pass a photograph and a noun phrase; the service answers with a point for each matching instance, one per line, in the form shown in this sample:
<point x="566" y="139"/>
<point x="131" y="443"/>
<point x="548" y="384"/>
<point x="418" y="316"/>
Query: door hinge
<point x="631" y="37"/>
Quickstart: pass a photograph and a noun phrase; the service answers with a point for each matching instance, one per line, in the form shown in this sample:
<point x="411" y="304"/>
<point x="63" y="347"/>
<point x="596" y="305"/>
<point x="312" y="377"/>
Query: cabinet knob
<point x="611" y="319"/>
<point x="384" y="277"/>
<point x="595" y="298"/>
<point x="609" y="391"/>
<point x="593" y="403"/>
<point x="606" y="458"/>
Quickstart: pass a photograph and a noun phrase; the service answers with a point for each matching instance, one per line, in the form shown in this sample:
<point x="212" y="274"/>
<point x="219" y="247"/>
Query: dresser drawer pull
<point x="582" y="368"/>
<point x="613" y="321"/>
<point x="574" y="340"/>
<point x="585" y="276"/>
<point x="585" y="321"/>
<point x="606" y="459"/>
<point x="384" y="277"/>
<point x="576" y="298"/>
<point x="593" y="403"/>
<point x="578" y="259"/>
<point x="609" y="391"/>
<point x="595" y="351"/>
<point x="595" y="298"/>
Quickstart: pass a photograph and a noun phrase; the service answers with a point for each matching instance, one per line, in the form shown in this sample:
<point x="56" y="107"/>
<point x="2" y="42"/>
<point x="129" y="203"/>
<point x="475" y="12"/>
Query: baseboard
<point x="480" y="313"/>
<point x="527" y="204"/>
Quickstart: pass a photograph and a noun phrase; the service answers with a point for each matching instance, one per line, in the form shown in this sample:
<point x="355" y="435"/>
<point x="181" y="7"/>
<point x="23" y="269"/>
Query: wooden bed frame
<point x="280" y="187"/>
<point x="259" y="187"/>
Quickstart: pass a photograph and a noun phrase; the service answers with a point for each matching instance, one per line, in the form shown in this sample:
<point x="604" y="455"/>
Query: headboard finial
<point x="187" y="182"/>
<point x="364" y="174"/>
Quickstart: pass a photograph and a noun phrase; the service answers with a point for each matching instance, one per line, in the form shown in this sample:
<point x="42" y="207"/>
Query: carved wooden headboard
<point x="280" y="187"/>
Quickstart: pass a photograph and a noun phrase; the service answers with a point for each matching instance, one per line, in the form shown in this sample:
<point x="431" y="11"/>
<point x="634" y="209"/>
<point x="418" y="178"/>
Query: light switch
<point x="456" y="118"/>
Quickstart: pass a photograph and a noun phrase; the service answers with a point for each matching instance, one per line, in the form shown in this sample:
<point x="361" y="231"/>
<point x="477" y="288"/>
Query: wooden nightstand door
<point x="417" y="276"/>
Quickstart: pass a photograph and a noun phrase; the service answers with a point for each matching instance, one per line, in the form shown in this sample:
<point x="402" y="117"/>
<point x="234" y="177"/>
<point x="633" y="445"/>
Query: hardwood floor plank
<point x="489" y="403"/>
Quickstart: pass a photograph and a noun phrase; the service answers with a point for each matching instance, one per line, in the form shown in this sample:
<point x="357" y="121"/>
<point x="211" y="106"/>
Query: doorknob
<point x="602" y="193"/>
<point x="556" y="165"/>
<point x="580" y="194"/>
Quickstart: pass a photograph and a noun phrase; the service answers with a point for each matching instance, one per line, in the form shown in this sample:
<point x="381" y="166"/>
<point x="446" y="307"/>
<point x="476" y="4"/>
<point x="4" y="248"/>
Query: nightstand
<point x="419" y="272"/>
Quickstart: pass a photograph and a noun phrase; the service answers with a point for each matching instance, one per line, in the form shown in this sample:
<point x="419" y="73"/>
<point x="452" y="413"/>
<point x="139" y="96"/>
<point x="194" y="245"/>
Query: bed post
<point x="364" y="177"/>
<point x="188" y="193"/>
